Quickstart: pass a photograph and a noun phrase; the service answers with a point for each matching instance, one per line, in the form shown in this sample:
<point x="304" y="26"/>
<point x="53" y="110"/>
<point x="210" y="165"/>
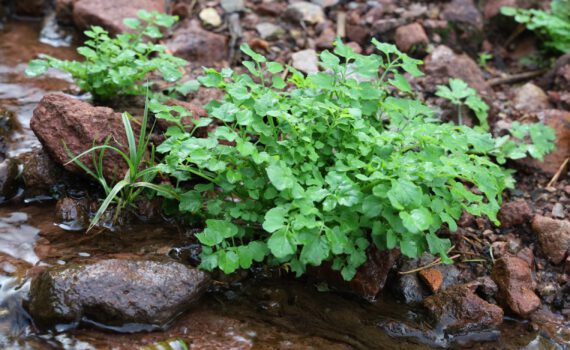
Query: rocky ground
<point x="519" y="270"/>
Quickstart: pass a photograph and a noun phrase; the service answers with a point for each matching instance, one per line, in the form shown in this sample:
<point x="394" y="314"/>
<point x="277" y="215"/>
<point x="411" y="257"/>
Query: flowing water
<point x="256" y="313"/>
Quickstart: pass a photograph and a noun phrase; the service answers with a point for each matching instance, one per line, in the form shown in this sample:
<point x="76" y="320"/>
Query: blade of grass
<point x="130" y="138"/>
<point x="110" y="197"/>
<point x="164" y="190"/>
<point x="121" y="153"/>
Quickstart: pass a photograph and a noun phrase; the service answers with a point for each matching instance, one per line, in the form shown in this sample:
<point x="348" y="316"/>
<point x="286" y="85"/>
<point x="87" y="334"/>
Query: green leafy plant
<point x="120" y="65"/>
<point x="530" y="139"/>
<point x="139" y="176"/>
<point x="483" y="59"/>
<point x="554" y="26"/>
<point x="461" y="94"/>
<point x="305" y="169"/>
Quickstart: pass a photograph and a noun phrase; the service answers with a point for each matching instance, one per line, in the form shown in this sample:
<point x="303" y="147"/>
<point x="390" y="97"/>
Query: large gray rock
<point x="115" y="293"/>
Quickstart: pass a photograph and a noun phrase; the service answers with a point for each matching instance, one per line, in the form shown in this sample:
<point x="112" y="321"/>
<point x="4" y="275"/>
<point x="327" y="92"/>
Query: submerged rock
<point x="109" y="14"/>
<point x="115" y="293"/>
<point x="553" y="236"/>
<point x="60" y="121"/>
<point x="516" y="287"/>
<point x="72" y="214"/>
<point x="459" y="309"/>
<point x="8" y="182"/>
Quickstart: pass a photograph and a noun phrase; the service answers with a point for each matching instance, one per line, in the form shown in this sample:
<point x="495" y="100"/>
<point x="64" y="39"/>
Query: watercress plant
<point x="299" y="170"/>
<point x="460" y="94"/>
<point x="554" y="26"/>
<point x="122" y="64"/>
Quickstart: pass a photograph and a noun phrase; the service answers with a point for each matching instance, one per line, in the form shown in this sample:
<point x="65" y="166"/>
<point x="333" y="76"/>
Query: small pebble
<point x="210" y="17"/>
<point x="306" y="61"/>
<point x="558" y="211"/>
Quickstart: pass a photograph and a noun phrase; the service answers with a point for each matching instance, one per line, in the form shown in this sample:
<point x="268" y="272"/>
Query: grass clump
<point x="140" y="175"/>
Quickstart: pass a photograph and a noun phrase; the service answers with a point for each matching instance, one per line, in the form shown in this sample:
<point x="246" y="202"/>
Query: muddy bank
<point x="265" y="312"/>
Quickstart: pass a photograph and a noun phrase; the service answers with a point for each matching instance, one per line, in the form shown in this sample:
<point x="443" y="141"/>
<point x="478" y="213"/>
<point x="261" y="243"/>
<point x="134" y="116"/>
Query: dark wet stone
<point x="485" y="287"/>
<point x="40" y="175"/>
<point x="115" y="293"/>
<point x="8" y="124"/>
<point x="8" y="179"/>
<point x="370" y="278"/>
<point x="72" y="214"/>
<point x="410" y="289"/>
<point x="459" y="309"/>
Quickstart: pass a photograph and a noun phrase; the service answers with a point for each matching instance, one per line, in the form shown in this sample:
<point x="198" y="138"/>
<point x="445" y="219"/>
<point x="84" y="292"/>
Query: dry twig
<point x="515" y="78"/>
<point x="558" y="173"/>
<point x="427" y="266"/>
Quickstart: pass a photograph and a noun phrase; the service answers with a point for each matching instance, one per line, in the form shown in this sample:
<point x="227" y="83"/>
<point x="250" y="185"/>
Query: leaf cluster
<point x="299" y="170"/>
<point x="460" y="94"/>
<point x="119" y="65"/>
<point x="554" y="26"/>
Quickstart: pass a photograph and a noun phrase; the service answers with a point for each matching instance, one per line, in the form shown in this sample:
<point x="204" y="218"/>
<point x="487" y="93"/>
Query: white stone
<point x="306" y="61"/>
<point x="210" y="17"/>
